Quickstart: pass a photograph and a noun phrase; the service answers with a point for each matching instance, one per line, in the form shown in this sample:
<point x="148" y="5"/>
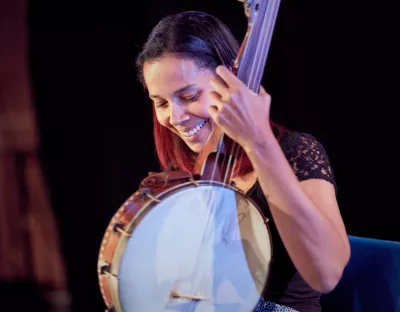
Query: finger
<point x="219" y="119"/>
<point x="220" y="87"/>
<point x="229" y="78"/>
<point x="213" y="111"/>
<point x="216" y="100"/>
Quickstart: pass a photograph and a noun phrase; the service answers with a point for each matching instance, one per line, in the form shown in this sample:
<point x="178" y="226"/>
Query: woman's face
<point x="179" y="91"/>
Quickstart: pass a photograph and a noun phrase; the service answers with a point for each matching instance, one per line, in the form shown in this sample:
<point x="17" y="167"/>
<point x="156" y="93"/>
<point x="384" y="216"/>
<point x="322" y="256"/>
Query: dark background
<point x="95" y="119"/>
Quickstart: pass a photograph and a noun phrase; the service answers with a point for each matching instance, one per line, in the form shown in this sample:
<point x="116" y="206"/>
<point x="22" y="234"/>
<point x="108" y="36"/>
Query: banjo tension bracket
<point x="119" y="228"/>
<point x="145" y="192"/>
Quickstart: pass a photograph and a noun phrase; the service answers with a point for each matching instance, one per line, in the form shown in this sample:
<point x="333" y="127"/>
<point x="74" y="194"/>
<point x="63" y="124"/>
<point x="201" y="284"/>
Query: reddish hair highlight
<point x="174" y="154"/>
<point x="207" y="41"/>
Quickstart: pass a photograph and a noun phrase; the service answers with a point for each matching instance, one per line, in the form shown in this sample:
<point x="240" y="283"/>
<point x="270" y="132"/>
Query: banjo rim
<point x="125" y="220"/>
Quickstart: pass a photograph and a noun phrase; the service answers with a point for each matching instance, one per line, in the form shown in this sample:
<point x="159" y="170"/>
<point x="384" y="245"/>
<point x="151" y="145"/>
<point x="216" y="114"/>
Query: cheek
<point x="200" y="107"/>
<point x="163" y="118"/>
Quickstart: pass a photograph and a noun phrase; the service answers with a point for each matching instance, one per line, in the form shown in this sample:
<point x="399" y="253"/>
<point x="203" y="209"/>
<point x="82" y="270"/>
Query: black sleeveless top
<point x="309" y="160"/>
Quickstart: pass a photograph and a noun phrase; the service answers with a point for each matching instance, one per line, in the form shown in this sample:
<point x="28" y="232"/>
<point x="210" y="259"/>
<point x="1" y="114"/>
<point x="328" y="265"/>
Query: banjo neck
<point x="219" y="158"/>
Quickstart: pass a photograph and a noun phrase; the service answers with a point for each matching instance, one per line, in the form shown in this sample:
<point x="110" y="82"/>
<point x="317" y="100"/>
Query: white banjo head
<point x="203" y="248"/>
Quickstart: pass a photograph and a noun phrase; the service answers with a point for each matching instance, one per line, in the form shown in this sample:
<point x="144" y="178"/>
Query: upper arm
<point x="323" y="195"/>
<point x="312" y="167"/>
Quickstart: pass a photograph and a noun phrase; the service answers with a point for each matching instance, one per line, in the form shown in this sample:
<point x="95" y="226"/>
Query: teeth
<point x="194" y="130"/>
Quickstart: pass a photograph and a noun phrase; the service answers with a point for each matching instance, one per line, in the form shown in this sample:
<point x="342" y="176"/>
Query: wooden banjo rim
<point x="111" y="270"/>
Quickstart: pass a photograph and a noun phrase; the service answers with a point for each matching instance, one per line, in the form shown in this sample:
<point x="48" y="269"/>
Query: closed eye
<point x="191" y="98"/>
<point x="160" y="105"/>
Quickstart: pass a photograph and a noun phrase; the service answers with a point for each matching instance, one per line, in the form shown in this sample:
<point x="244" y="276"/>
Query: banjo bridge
<point x="177" y="295"/>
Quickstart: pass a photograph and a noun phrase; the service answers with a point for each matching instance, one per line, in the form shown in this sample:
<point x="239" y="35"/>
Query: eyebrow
<point x="176" y="92"/>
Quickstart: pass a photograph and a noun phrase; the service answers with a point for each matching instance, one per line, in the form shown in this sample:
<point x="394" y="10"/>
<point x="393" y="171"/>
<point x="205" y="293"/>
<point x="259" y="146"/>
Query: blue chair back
<point x="371" y="280"/>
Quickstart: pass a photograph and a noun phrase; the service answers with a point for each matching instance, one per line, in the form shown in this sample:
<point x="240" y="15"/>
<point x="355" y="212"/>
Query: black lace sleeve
<point x="307" y="157"/>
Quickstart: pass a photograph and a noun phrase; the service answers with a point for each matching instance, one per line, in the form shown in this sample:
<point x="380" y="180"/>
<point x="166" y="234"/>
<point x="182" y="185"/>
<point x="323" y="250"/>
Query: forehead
<point x="169" y="73"/>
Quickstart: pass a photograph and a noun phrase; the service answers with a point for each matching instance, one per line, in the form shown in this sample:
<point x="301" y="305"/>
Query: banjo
<point x="194" y="241"/>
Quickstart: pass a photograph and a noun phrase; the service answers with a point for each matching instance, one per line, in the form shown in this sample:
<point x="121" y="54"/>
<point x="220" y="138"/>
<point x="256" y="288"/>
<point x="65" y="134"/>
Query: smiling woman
<point x="274" y="239"/>
<point x="184" y="66"/>
<point x="180" y="59"/>
<point x="179" y="89"/>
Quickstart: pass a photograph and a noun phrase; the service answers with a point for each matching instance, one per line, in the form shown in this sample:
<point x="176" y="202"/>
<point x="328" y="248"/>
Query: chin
<point x="196" y="147"/>
<point x="196" y="144"/>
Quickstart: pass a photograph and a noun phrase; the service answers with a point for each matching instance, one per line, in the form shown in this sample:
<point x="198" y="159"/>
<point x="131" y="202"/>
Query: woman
<point x="184" y="67"/>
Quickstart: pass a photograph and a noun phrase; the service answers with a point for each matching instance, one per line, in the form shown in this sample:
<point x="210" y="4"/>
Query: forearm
<point x="316" y="247"/>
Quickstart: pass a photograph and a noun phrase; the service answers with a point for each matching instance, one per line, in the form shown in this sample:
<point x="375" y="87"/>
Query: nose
<point x="177" y="114"/>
